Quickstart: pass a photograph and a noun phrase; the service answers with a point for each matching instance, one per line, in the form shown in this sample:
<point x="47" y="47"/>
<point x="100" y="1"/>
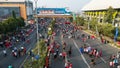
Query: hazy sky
<point x="74" y="5"/>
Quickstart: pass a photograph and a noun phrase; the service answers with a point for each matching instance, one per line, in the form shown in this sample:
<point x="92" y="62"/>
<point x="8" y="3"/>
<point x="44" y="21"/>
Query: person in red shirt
<point x="24" y="50"/>
<point x="63" y="55"/>
<point x="70" y="65"/>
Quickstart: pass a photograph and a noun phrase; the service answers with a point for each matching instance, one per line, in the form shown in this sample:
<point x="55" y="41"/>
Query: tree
<point x="21" y="22"/>
<point x="13" y="14"/>
<point x="13" y="23"/>
<point x="5" y="23"/>
<point x="109" y="15"/>
<point x="2" y="29"/>
<point x="80" y="21"/>
<point x="93" y="24"/>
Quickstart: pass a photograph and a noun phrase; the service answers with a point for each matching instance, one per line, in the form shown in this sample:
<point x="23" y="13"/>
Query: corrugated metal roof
<point x="101" y="5"/>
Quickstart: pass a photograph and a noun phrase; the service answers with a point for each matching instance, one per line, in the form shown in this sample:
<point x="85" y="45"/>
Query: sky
<point x="73" y="5"/>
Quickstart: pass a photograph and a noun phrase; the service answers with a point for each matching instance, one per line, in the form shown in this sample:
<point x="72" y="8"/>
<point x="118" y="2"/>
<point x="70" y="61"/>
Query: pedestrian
<point x="15" y="48"/>
<point x="118" y="55"/>
<point x="93" y="61"/>
<point x="10" y="66"/>
<point x="111" y="64"/>
<point x="24" y="50"/>
<point x="5" y="53"/>
<point x="57" y="52"/>
<point x="100" y="53"/>
<point x="97" y="54"/>
<point x="19" y="52"/>
<point x="70" y="65"/>
<point x="60" y="54"/>
<point x="55" y="55"/>
<point x="81" y="50"/>
<point x="63" y="55"/>
<point x="1" y="44"/>
<point x="66" y="65"/>
<point x="15" y="54"/>
<point x="115" y="61"/>
<point x="69" y="52"/>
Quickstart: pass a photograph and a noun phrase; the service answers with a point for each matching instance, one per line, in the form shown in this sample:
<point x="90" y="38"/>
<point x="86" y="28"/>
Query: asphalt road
<point x="78" y="60"/>
<point x="83" y="60"/>
<point x="16" y="62"/>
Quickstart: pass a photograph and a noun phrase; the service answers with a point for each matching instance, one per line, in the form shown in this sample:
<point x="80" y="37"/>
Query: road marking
<point x="24" y="61"/>
<point x="103" y="60"/>
<point x="81" y="54"/>
<point x="26" y="56"/>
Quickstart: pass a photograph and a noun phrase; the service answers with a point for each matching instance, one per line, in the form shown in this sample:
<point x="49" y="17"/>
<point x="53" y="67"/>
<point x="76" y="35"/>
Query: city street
<point x="16" y="62"/>
<point x="59" y="34"/>
<point x="80" y="60"/>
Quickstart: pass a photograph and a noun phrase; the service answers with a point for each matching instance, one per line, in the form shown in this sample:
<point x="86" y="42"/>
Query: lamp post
<point x="37" y="25"/>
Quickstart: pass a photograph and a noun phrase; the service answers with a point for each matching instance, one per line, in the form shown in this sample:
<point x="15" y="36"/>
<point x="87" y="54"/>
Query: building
<point x="23" y="8"/>
<point x="97" y="9"/>
<point x="53" y="12"/>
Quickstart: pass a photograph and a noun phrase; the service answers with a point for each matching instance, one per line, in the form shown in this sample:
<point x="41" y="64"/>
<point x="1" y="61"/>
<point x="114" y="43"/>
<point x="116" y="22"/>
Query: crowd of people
<point x="71" y="32"/>
<point x="9" y="43"/>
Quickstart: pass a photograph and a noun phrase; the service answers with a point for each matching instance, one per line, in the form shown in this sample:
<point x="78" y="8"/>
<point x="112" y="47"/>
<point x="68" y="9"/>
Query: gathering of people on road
<point x="61" y="49"/>
<point x="14" y="44"/>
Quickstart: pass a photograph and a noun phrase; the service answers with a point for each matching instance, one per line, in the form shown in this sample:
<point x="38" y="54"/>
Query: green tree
<point x="80" y="20"/>
<point x="106" y="29"/>
<point x="93" y="24"/>
<point x="21" y="22"/>
<point x="2" y="29"/>
<point x="109" y="15"/>
<point x="5" y="23"/>
<point x="13" y="14"/>
<point x="13" y="23"/>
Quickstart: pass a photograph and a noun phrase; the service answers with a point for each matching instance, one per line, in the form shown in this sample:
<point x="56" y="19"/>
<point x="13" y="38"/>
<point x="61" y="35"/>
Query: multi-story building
<point x="98" y="8"/>
<point x="23" y="8"/>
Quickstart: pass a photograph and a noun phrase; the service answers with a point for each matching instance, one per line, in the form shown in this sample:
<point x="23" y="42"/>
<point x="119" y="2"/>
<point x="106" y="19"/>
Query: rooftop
<point x="13" y="0"/>
<point x="101" y="5"/>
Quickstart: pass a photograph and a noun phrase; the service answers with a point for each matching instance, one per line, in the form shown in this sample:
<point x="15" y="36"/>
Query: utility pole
<point x="36" y="20"/>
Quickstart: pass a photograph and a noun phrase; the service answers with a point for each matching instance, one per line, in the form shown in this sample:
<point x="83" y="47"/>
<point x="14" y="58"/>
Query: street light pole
<point x="36" y="19"/>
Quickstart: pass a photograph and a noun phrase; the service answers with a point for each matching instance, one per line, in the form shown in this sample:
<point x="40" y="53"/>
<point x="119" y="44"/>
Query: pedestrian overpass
<point x="53" y="13"/>
<point x="54" y="16"/>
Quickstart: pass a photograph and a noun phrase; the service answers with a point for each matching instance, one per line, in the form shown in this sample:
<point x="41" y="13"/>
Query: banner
<point x="116" y="34"/>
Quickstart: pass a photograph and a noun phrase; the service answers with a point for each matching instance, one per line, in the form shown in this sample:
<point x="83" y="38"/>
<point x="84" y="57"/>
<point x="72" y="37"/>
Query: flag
<point x="116" y="34"/>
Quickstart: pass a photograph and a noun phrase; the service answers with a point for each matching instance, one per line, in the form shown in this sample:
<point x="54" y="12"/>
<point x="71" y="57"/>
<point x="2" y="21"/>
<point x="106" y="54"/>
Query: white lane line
<point x="24" y="61"/>
<point x="81" y="54"/>
<point x="103" y="60"/>
<point x="100" y="57"/>
<point x="26" y="57"/>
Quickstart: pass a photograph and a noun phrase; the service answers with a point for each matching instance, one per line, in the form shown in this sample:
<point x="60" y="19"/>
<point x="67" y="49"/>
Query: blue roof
<point x="56" y="10"/>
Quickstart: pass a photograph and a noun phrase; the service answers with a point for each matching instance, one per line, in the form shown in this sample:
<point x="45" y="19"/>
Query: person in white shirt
<point x="5" y="52"/>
